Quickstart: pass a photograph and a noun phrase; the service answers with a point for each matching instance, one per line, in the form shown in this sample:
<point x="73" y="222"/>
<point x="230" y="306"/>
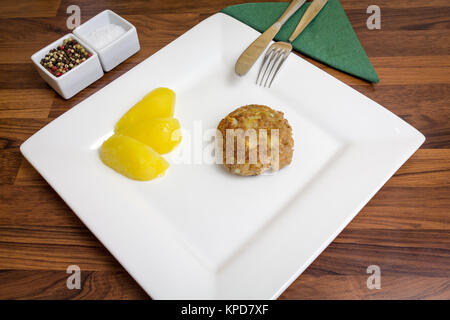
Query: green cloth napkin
<point x="329" y="38"/>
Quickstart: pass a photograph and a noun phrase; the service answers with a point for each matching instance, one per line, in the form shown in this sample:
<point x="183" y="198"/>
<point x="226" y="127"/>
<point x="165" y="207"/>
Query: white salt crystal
<point x="103" y="36"/>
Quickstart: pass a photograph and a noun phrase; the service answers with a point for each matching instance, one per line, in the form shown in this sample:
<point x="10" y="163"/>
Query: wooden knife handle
<point x="290" y="10"/>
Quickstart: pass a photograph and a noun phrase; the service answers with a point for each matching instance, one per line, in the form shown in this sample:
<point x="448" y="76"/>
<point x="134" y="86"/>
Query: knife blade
<point x="248" y="58"/>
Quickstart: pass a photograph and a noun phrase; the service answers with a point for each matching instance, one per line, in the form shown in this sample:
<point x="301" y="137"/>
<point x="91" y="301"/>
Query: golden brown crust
<point x="257" y="117"/>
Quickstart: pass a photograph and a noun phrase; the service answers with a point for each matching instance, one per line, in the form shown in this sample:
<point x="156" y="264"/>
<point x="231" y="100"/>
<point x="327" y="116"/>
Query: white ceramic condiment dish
<point x="75" y="80"/>
<point x="117" y="50"/>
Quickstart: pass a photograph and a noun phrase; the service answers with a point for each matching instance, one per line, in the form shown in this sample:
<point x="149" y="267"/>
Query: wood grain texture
<point x="405" y="228"/>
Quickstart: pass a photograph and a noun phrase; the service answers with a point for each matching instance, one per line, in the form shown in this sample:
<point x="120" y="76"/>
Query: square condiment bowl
<point x="75" y="80"/>
<point x="117" y="50"/>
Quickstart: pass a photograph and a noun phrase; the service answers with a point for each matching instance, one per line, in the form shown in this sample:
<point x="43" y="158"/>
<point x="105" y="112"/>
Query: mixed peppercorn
<point x="65" y="57"/>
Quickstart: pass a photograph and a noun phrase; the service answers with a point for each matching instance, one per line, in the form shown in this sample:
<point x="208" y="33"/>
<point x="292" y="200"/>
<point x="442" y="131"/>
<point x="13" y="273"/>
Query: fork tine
<point x="268" y="63"/>
<point x="265" y="60"/>
<point x="269" y="66"/>
<point x="277" y="57"/>
<point x="265" y="65"/>
<point x="286" y="54"/>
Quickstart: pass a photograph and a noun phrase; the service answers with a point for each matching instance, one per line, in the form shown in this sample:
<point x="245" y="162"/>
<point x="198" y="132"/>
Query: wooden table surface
<point x="404" y="229"/>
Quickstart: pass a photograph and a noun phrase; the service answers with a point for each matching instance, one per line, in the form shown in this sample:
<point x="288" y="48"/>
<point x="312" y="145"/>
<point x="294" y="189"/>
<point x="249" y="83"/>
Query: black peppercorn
<point x="65" y="57"/>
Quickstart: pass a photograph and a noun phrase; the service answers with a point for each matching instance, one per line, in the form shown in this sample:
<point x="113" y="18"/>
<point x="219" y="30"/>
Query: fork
<point x="279" y="51"/>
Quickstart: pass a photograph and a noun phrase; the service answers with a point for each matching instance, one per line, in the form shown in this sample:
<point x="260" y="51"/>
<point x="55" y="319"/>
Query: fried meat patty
<point x="256" y="117"/>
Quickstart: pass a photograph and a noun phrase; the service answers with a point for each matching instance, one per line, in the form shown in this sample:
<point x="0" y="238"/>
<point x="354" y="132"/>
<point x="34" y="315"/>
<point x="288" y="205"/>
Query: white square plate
<point x="200" y="232"/>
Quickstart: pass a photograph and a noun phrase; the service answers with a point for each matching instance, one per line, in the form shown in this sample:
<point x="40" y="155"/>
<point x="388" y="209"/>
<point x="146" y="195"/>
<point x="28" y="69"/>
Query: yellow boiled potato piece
<point x="158" y="103"/>
<point x="162" y="134"/>
<point x="132" y="158"/>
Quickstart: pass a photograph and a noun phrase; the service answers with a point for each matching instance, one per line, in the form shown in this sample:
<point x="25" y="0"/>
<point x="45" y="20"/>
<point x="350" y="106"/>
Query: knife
<point x="254" y="50"/>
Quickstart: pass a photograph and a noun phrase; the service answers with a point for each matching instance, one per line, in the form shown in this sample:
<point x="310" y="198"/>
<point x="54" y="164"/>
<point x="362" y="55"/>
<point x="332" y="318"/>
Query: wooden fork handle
<point x="309" y="15"/>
